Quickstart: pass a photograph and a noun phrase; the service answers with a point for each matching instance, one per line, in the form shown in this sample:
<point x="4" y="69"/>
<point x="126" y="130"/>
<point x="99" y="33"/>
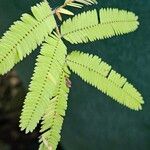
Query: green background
<point x="94" y="121"/>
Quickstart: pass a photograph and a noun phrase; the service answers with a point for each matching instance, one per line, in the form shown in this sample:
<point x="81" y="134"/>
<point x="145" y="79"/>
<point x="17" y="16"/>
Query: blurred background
<point x="93" y="121"/>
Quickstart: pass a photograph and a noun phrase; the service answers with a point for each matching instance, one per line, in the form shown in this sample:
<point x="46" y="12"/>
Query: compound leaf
<point x="99" y="74"/>
<point x="25" y="35"/>
<point x="53" y="118"/>
<point x="44" y="81"/>
<point x="87" y="27"/>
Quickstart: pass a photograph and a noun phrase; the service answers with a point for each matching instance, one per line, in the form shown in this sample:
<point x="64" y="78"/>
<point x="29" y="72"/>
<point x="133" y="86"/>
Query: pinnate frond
<point x="25" y="35"/>
<point x="45" y="78"/>
<point x="99" y="74"/>
<point x="53" y="118"/>
<point x="87" y="26"/>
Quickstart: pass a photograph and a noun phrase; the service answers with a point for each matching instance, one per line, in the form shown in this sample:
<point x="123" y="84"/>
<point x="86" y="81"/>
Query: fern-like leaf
<point x="53" y="118"/>
<point x="25" y="35"/>
<point x="87" y="27"/>
<point x="99" y="74"/>
<point x="44" y="81"/>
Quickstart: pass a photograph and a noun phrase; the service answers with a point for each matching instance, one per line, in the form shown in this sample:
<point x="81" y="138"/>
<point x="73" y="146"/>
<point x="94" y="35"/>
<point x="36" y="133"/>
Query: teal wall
<point x="94" y="121"/>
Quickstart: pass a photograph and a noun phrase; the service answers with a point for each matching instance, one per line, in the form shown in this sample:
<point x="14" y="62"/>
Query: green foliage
<point x="49" y="88"/>
<point x="53" y="118"/>
<point x="25" y="35"/>
<point x="44" y="82"/>
<point x="88" y="27"/>
<point x="99" y="74"/>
